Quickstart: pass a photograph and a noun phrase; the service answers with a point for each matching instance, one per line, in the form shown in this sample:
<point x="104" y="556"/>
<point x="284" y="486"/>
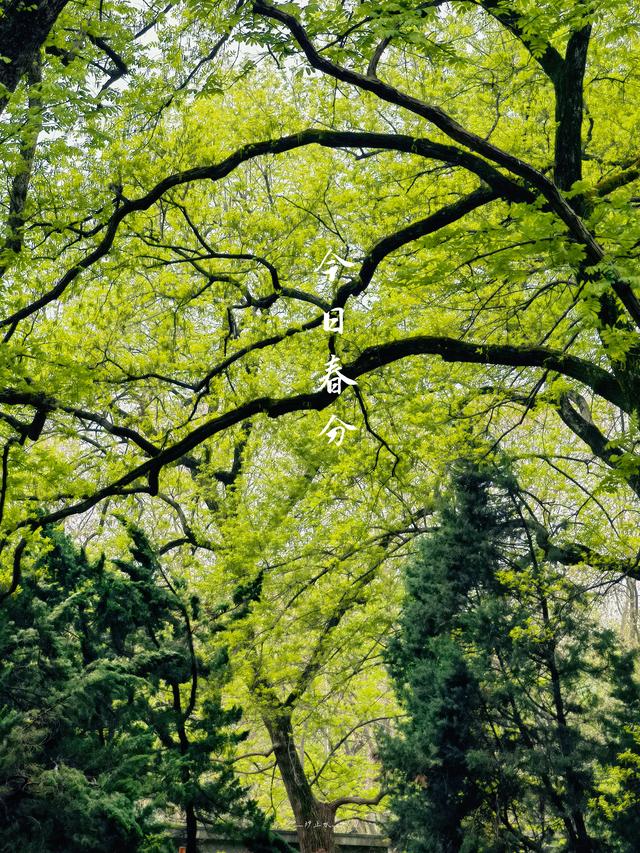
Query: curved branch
<point x="579" y="422"/>
<point x="372" y="67"/>
<point x="557" y="203"/>
<point x="447" y="215"/>
<point x="216" y="172"/>
<point x="357" y="285"/>
<point x="122" y="432"/>
<point x="433" y="114"/>
<point x="372" y="358"/>
<point x="574" y="553"/>
<point x="599" y="380"/>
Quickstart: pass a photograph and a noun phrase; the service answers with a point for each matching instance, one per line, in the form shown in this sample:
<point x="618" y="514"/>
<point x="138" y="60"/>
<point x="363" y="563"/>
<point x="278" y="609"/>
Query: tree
<point x="104" y="728"/>
<point x="169" y="200"/>
<point x="439" y="790"/>
<point x="306" y="652"/>
<point x="594" y="302"/>
<point x="516" y="701"/>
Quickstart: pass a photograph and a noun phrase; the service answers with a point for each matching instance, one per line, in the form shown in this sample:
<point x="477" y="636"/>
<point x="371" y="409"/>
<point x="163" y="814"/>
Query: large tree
<point x="517" y="702"/>
<point x="105" y="730"/>
<point x="175" y="179"/>
<point x="565" y="302"/>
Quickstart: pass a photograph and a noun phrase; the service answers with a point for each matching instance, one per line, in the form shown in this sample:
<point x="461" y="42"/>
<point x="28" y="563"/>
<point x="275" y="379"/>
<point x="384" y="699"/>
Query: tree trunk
<point x="23" y="30"/>
<point x="314" y="819"/>
<point x="630" y="612"/>
<point x="569" y="108"/>
<point x="192" y="829"/>
<point x="191" y="823"/>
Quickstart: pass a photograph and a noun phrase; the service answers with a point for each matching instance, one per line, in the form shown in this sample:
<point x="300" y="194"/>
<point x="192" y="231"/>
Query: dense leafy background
<point x="144" y="305"/>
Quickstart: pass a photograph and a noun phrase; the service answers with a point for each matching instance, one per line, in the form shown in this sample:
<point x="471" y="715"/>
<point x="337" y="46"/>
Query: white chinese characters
<point x="335" y="262"/>
<point x="334" y="377"/>
<point x="336" y="433"/>
<point x="333" y="320"/>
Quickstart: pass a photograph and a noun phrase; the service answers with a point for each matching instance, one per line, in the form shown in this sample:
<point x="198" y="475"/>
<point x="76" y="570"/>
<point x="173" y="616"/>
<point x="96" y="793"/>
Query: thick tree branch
<point x="216" y="172"/>
<point x="22" y="178"/>
<point x="372" y="67"/>
<point x="113" y="429"/>
<point x="450" y="349"/>
<point x="390" y="94"/>
<point x="357" y="801"/>
<point x="392" y="242"/>
<point x="573" y="553"/>
<point x="557" y="203"/>
<point x="370" y="263"/>
<point x="567" y="75"/>
<point x="24" y="28"/>
<point x="569" y="89"/>
<point x="120" y="66"/>
<point x="620" y="179"/>
<point x="579" y="422"/>
<point x="599" y="380"/>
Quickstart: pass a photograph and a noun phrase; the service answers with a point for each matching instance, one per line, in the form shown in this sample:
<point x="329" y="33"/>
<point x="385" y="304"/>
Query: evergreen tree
<point x="102" y="728"/>
<point x="516" y="701"/>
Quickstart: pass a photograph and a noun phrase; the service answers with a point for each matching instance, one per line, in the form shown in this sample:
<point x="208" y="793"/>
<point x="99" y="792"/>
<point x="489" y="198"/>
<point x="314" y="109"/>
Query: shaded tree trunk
<point x="569" y="87"/>
<point x="630" y="612"/>
<point x="314" y="818"/>
<point x="191" y="823"/>
<point x="24" y="26"/>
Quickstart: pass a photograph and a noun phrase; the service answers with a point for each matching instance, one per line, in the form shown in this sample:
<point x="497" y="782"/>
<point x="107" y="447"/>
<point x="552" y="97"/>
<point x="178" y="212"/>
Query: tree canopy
<point x="519" y="705"/>
<point x="189" y="189"/>
<point x="97" y="741"/>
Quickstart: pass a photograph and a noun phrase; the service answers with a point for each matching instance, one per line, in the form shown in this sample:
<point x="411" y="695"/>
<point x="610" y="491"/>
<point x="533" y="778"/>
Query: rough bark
<point x="19" y="188"/>
<point x="569" y="89"/>
<point x="24" y="27"/>
<point x="567" y="75"/>
<point x="314" y="819"/>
